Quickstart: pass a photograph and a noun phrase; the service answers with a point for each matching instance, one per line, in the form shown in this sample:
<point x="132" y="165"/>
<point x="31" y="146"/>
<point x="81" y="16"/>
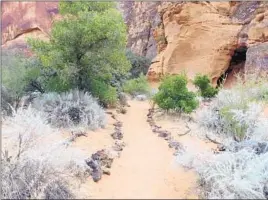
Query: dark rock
<point x="96" y="175"/>
<point x="99" y="155"/>
<point x="163" y="133"/>
<point x="118" y="135"/>
<point x="174" y="144"/>
<point x="106" y="171"/>
<point x="118" y="124"/>
<point x="93" y="164"/>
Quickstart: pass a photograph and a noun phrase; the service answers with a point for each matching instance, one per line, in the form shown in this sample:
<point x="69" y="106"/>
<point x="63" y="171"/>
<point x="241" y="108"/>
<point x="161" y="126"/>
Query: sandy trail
<point x="146" y="168"/>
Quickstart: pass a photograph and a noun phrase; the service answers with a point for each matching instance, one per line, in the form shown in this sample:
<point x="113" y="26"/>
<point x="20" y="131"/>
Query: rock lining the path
<point x="101" y="161"/>
<point x="163" y="133"/>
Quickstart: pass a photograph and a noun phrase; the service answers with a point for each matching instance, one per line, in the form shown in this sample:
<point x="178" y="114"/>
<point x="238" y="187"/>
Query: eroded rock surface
<point x="201" y="37"/>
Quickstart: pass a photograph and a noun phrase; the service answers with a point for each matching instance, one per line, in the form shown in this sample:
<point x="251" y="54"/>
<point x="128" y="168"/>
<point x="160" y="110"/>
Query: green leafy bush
<point x="106" y="94"/>
<point x="174" y="95"/>
<point x="19" y="74"/>
<point x="137" y="86"/>
<point x="139" y="64"/>
<point x="202" y="82"/>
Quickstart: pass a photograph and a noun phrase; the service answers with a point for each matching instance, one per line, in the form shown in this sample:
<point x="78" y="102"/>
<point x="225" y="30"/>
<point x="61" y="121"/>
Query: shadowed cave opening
<point x="237" y="64"/>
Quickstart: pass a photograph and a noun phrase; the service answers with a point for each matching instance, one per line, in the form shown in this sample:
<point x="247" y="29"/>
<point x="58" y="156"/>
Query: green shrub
<point x="136" y="86"/>
<point x="18" y="73"/>
<point x="202" y="82"/>
<point x="174" y="95"/>
<point x="106" y="94"/>
<point x="139" y="64"/>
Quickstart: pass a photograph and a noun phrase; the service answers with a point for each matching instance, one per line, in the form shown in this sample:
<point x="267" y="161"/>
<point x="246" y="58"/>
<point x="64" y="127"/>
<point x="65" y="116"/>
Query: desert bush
<point x="139" y="64"/>
<point x="19" y="75"/>
<point x="136" y="86"/>
<point x="236" y="112"/>
<point x="106" y="94"/>
<point x="73" y="108"/>
<point x="34" y="158"/>
<point x="229" y="175"/>
<point x="6" y="102"/>
<point x="27" y="179"/>
<point x="174" y="95"/>
<point x="206" y="90"/>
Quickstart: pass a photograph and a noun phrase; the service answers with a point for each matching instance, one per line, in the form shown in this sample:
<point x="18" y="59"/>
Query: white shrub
<point x="234" y="117"/>
<point x="34" y="157"/>
<point x="71" y="109"/>
<point x="229" y="175"/>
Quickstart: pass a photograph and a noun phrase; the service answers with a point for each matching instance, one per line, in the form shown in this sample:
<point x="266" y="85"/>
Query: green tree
<point x="174" y="95"/>
<point x="87" y="44"/>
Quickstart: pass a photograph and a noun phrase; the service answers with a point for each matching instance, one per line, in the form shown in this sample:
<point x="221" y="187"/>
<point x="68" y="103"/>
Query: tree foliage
<point x="88" y="43"/>
<point x="139" y="64"/>
<point x="174" y="95"/>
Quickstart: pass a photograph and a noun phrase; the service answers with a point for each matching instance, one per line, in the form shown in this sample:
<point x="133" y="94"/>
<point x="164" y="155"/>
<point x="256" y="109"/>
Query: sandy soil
<point x="95" y="140"/>
<point x="146" y="168"/>
<point x="266" y="111"/>
<point x="177" y="126"/>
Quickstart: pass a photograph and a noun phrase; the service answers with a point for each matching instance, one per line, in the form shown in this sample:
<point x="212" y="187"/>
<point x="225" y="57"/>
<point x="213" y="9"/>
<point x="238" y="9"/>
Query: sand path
<point x="146" y="168"/>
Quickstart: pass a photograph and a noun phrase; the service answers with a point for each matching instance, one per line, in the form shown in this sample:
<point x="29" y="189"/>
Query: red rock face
<point x="20" y="19"/>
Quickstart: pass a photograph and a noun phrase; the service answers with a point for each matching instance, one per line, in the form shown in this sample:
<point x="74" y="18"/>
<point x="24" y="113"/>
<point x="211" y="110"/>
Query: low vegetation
<point x="174" y="95"/>
<point x="235" y="119"/>
<point x="69" y="109"/>
<point x="136" y="86"/>
<point x="206" y="90"/>
<point x="28" y="169"/>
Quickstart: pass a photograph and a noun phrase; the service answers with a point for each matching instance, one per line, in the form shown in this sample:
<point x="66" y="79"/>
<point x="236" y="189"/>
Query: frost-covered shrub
<point x="237" y="175"/>
<point x="232" y="113"/>
<point x="71" y="109"/>
<point x="235" y="118"/>
<point x="229" y="175"/>
<point x="34" y="157"/>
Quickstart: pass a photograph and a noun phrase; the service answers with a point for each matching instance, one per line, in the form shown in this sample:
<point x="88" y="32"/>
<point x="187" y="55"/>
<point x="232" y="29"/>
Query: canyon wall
<point x="201" y="37"/>
<point x="195" y="37"/>
<point x="21" y="20"/>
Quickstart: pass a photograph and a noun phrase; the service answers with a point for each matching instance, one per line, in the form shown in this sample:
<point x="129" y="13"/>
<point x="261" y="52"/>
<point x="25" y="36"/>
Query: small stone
<point x="117" y="148"/>
<point x="141" y="97"/>
<point x="118" y="124"/>
<point x="118" y="135"/>
<point x="106" y="171"/>
<point x="174" y="144"/>
<point x="96" y="175"/>
<point x="163" y="134"/>
<point x="92" y="164"/>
